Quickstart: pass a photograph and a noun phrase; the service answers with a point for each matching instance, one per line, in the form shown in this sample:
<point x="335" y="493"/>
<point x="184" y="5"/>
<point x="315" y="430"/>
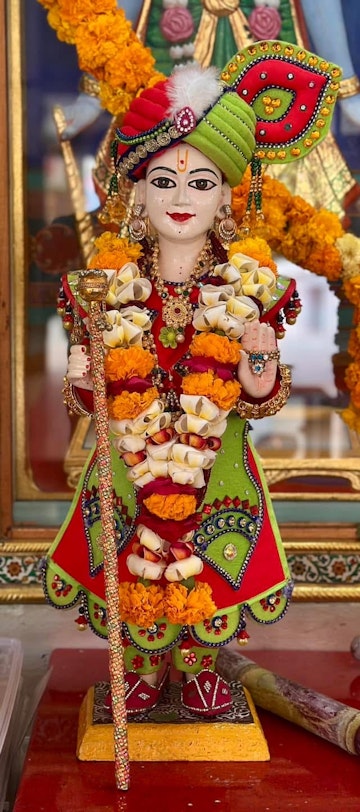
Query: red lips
<point x="179" y="217"/>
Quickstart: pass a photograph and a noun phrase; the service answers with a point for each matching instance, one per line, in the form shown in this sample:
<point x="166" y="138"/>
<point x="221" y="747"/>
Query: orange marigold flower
<point x="352" y="375"/>
<point x="111" y="252"/>
<point x="352" y="290"/>
<point x="123" y="363"/>
<point x="223" y="393"/>
<point x="115" y="100"/>
<point x="174" y="506"/>
<point x="183" y="607"/>
<point x="130" y="67"/>
<point x="211" y="345"/>
<point x="129" y="405"/>
<point x="355" y="397"/>
<point x="200" y="603"/>
<point x="64" y="31"/>
<point x="325" y="226"/>
<point x="354" y="343"/>
<point x="77" y="11"/>
<point x="351" y="417"/>
<point x="175" y="599"/>
<point x="140" y="604"/>
<point x="276" y="191"/>
<point x="255" y="247"/>
<point x="98" y="41"/>
<point x="300" y="211"/>
<point x="324" y="260"/>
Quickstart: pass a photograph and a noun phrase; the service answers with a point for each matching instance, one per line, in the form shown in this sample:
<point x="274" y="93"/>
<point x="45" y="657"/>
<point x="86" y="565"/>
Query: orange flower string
<point x="107" y="48"/>
<point x="172" y="506"/>
<point x="112" y="252"/>
<point x="223" y="393"/>
<point x="183" y="607"/>
<point x="255" y="247"/>
<point x="121" y="363"/>
<point x="144" y="605"/>
<point x="129" y="405"/>
<point x="292" y="227"/>
<point x="211" y="345"/>
<point x="140" y="604"/>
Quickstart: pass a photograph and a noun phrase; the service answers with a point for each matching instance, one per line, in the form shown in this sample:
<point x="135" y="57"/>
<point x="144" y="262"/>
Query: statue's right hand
<point x="79" y="115"/>
<point x="78" y="370"/>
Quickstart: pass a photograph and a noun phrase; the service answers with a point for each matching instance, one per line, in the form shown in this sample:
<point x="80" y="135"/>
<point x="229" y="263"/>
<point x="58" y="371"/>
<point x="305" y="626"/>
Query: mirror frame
<point x="314" y="550"/>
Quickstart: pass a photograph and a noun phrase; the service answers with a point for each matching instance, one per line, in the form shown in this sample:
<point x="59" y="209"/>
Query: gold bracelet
<point x="349" y="87"/>
<point x="89" y="85"/>
<point x="71" y="401"/>
<point x="254" y="411"/>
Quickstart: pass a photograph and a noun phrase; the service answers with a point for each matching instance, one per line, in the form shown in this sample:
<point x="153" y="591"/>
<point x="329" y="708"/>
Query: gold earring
<point x="250" y="220"/>
<point x="227" y="226"/>
<point x="137" y="226"/>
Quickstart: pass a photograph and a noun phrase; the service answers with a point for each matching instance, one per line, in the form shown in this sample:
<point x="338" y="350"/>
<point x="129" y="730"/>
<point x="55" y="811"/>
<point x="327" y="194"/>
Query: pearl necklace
<point x="177" y="311"/>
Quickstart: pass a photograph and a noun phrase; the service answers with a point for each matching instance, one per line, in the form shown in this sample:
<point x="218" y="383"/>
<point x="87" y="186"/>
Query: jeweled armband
<point x="89" y="85"/>
<point x="71" y="401"/>
<point x="254" y="411"/>
<point x="349" y="87"/>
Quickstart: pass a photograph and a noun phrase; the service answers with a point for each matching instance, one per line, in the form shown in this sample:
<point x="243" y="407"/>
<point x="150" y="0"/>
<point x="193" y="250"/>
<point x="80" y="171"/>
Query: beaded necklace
<point x="177" y="311"/>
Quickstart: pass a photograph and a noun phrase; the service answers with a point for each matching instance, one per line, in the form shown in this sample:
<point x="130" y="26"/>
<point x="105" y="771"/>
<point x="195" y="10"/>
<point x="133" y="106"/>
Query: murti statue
<point x="190" y="354"/>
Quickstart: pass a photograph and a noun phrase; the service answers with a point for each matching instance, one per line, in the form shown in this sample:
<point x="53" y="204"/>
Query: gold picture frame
<point x="24" y="538"/>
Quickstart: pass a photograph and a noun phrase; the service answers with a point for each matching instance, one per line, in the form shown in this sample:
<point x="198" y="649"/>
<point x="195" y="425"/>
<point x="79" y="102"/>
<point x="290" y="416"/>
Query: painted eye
<point x="202" y="184"/>
<point x="163" y="183"/>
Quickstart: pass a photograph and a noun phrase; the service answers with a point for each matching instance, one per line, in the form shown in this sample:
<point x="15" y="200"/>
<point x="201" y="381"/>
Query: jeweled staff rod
<point x="92" y="286"/>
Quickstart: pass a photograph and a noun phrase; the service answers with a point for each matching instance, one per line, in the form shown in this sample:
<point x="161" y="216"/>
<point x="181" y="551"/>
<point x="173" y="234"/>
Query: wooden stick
<point x="325" y="717"/>
<point x="92" y="286"/>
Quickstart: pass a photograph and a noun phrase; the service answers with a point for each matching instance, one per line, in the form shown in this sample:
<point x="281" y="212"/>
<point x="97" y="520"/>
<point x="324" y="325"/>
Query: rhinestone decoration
<point x="185" y="120"/>
<point x="230" y="552"/>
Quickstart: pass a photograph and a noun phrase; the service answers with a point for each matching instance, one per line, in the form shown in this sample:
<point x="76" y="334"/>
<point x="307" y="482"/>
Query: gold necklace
<point x="177" y="310"/>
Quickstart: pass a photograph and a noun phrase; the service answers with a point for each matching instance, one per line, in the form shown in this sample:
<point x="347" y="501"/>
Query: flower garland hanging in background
<point x="313" y="239"/>
<point x="107" y="48"/>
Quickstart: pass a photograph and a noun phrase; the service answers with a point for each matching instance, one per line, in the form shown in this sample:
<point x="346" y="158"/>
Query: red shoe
<point x="206" y="694"/>
<point x="139" y="695"/>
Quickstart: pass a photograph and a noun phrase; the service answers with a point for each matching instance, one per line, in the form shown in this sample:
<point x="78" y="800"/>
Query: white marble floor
<point x="319" y="626"/>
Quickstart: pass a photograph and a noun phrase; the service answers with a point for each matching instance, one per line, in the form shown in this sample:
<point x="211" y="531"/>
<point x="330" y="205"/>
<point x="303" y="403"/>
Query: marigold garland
<point x="210" y="345"/>
<point x="255" y="247"/>
<point x="184" y="607"/>
<point x="129" y="405"/>
<point x="223" y="393"/>
<point x="315" y="240"/>
<point x="107" y="48"/>
<point x="112" y="252"/>
<point x="140" y="604"/>
<point x="292" y="227"/>
<point x="144" y="605"/>
<point x="174" y="506"/>
<point x="121" y="363"/>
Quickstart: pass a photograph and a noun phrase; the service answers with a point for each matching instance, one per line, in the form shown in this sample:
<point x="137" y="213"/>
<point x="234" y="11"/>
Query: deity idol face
<point x="183" y="192"/>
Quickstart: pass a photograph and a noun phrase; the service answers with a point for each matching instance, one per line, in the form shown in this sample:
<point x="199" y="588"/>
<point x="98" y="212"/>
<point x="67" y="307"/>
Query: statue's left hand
<point x="79" y="115"/>
<point x="260" y="339"/>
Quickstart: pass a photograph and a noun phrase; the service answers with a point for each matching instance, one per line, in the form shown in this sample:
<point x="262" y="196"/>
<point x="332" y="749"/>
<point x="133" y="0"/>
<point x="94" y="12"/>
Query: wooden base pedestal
<point x="171" y="733"/>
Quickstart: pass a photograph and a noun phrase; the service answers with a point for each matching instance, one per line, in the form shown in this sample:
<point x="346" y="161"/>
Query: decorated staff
<point x="92" y="287"/>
